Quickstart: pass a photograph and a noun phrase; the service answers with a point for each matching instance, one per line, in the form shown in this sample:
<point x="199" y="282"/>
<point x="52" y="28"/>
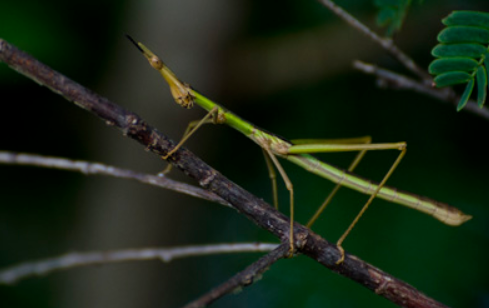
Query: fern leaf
<point x="462" y="54"/>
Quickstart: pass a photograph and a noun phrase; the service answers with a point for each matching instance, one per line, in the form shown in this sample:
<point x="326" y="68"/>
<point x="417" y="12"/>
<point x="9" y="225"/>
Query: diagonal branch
<point x="398" y="81"/>
<point x="247" y="204"/>
<point x="241" y="279"/>
<point x="22" y="271"/>
<point x="90" y="168"/>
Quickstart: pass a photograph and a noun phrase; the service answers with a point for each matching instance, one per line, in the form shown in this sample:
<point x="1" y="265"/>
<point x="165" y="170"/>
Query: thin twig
<point x="398" y="81"/>
<point x="16" y="273"/>
<point x="249" y="205"/>
<point x="90" y="168"/>
<point x="241" y="279"/>
<point x="386" y="43"/>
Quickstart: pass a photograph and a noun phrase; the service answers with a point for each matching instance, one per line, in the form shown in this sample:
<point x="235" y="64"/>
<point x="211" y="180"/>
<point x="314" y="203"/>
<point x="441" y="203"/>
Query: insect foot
<point x="298" y="241"/>
<point x="342" y="255"/>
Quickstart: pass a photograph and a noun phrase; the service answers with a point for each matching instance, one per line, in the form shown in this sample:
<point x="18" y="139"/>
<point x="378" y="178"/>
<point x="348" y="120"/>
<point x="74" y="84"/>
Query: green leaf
<point x="481" y="86"/>
<point x="440" y="66"/>
<point x="465" y="97"/>
<point x="386" y="16"/>
<point x="459" y="50"/>
<point x="451" y="78"/>
<point x="467" y="18"/>
<point x="461" y="34"/>
<point x="391" y="14"/>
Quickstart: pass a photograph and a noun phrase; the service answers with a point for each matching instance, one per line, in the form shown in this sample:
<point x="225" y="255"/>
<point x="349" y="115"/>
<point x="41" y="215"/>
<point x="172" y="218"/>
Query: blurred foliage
<point x="445" y="161"/>
<point x="391" y="14"/>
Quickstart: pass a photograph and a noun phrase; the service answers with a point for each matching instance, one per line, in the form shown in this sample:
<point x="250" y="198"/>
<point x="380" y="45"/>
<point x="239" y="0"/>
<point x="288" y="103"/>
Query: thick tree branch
<point x="16" y="273"/>
<point x="398" y="81"/>
<point x="90" y="168"/>
<point x="252" y="207"/>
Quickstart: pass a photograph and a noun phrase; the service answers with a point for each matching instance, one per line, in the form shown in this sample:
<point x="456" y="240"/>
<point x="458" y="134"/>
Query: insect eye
<point x="156" y="63"/>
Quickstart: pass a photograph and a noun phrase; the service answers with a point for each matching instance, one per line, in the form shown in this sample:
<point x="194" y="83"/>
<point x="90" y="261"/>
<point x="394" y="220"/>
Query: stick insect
<point x="299" y="152"/>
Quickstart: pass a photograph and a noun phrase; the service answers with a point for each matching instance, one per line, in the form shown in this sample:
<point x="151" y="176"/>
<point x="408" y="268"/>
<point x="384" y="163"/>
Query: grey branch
<point x="16" y="273"/>
<point x="398" y="81"/>
<point x="385" y="43"/>
<point x="90" y="168"/>
<point x="241" y="279"/>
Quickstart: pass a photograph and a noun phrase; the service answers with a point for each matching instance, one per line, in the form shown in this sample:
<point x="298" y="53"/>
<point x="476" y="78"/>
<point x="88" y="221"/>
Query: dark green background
<point x="285" y="66"/>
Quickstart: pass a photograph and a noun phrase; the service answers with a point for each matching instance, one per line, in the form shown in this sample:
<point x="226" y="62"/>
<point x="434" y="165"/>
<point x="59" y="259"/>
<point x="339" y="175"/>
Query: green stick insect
<point x="299" y="152"/>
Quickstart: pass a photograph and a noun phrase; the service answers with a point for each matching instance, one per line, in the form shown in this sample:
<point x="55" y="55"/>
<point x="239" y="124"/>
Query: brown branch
<point x="385" y="43"/>
<point x="252" y="207"/>
<point x="90" y="168"/>
<point x="398" y="81"/>
<point x="21" y="271"/>
<point x="241" y="279"/>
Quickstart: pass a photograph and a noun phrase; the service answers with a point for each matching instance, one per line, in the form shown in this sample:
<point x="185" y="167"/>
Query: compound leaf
<point x="462" y="54"/>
